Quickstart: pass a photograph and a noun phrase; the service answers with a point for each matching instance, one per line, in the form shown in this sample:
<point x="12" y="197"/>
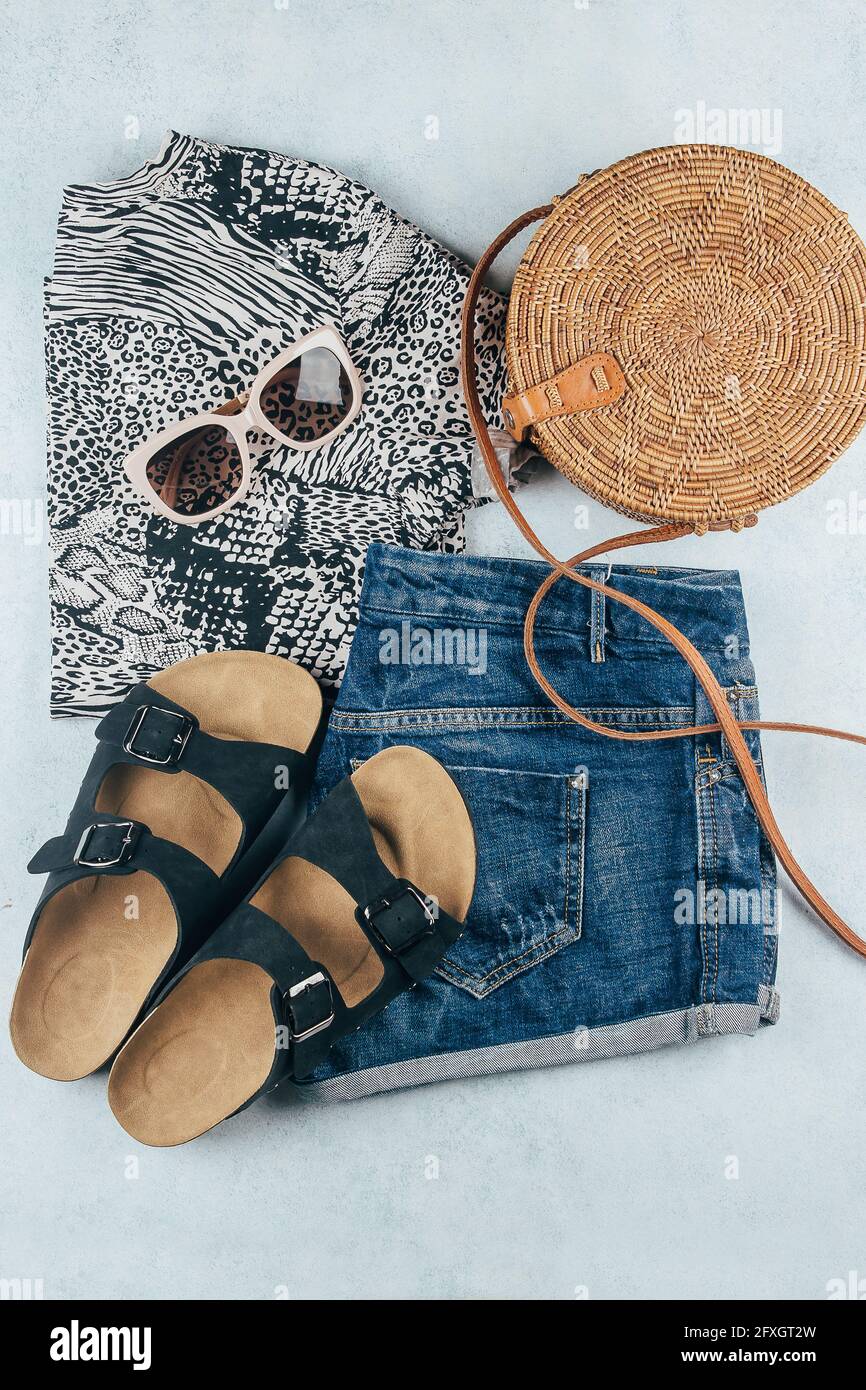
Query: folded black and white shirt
<point x="171" y="289"/>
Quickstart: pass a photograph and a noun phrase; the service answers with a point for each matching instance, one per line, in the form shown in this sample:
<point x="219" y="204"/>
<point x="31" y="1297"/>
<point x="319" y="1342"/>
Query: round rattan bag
<point x="686" y="335"/>
<point x="685" y="341"/>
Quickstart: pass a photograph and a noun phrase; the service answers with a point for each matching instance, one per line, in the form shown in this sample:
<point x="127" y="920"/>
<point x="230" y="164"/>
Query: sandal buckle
<point x="404" y="934"/>
<point x="170" y="742"/>
<point x="302" y="1006"/>
<point x="117" y="851"/>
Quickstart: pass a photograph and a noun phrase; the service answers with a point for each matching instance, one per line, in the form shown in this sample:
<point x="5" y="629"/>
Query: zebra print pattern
<point x="171" y="288"/>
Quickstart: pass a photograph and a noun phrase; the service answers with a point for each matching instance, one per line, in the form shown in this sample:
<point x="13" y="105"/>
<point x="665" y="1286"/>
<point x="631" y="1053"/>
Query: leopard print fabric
<point x="171" y="289"/>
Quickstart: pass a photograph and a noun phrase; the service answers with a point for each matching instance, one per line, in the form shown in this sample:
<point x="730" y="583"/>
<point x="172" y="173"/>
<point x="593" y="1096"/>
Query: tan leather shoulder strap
<point x="567" y="569"/>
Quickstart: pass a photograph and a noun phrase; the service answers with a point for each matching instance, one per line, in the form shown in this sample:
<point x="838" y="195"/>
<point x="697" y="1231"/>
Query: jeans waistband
<point x="491" y="591"/>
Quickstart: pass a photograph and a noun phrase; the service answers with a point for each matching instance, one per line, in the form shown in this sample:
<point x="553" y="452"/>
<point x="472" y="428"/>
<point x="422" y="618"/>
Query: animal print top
<point x="171" y="288"/>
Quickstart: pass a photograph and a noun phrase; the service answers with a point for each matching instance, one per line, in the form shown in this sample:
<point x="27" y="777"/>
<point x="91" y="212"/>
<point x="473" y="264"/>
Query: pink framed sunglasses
<point x="201" y="466"/>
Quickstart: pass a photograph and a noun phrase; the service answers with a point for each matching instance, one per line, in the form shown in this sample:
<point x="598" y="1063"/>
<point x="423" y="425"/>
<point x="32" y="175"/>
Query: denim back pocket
<point x="530" y="834"/>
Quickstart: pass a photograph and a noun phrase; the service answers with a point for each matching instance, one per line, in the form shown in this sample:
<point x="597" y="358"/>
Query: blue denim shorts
<point x="625" y="896"/>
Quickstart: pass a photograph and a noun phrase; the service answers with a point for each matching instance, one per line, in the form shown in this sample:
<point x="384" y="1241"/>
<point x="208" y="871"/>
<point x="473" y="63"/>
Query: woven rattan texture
<point x="732" y="294"/>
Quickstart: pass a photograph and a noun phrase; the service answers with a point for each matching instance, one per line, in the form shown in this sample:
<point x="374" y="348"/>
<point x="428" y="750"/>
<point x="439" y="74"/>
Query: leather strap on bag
<point x="566" y="569"/>
<point x="585" y="385"/>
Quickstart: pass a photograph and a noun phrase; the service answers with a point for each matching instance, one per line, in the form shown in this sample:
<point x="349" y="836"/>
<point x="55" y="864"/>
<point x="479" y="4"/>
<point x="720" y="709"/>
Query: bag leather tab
<point x="591" y="382"/>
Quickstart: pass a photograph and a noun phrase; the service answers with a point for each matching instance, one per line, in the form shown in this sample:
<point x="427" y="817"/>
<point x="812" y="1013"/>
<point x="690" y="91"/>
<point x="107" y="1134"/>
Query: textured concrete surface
<point x="613" y="1178"/>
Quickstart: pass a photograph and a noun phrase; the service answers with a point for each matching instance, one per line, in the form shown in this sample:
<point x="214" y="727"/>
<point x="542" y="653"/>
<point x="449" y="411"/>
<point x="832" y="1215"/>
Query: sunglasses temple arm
<point x="235" y="406"/>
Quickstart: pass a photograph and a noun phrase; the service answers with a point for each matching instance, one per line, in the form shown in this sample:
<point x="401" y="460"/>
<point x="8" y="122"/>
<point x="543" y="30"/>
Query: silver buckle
<point x="179" y="741"/>
<point x="123" y="852"/>
<point x="311" y="982"/>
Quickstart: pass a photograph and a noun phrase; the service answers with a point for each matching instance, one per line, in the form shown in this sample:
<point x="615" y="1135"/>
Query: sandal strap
<point x="151" y="730"/>
<point x="308" y="1009"/>
<point x="104" y="844"/>
<point x="413" y="929"/>
<point x="108" y="844"/>
<point x="401" y="922"/>
<point x="408" y="931"/>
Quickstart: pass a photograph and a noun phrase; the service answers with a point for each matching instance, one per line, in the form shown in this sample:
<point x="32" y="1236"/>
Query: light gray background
<point x="610" y="1176"/>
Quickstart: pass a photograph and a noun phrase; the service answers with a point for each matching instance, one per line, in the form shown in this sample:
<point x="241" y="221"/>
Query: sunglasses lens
<point x="309" y="398"/>
<point x="196" y="472"/>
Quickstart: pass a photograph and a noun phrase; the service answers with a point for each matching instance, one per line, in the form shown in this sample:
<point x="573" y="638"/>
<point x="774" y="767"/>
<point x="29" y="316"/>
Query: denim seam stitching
<point x="709" y="874"/>
<point x="508" y="965"/>
<point x="577" y="929"/>
<point x="567" y="848"/>
<point x="702" y="863"/>
<point x="378" y="721"/>
<point x="715" y="825"/>
<point x="429" y="726"/>
<point x="540" y="710"/>
<point x="597" y="623"/>
<point x="517" y="625"/>
<point x="583" y="810"/>
<point x="770" y="942"/>
<point x="769" y="928"/>
<point x="769" y="955"/>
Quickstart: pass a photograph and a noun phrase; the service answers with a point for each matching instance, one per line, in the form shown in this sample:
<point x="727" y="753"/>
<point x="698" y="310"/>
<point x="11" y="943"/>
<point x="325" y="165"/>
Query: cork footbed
<point x="102" y="942"/>
<point x="210" y="1045"/>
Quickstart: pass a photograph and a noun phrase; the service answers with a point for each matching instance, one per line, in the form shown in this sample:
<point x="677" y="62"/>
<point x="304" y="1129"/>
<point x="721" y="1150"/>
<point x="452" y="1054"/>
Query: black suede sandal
<point x="190" y="768"/>
<point x="360" y="905"/>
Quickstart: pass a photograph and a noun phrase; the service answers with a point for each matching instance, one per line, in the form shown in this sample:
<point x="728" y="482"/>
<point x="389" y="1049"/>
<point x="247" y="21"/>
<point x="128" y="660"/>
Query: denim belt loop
<point x="598" y="614"/>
